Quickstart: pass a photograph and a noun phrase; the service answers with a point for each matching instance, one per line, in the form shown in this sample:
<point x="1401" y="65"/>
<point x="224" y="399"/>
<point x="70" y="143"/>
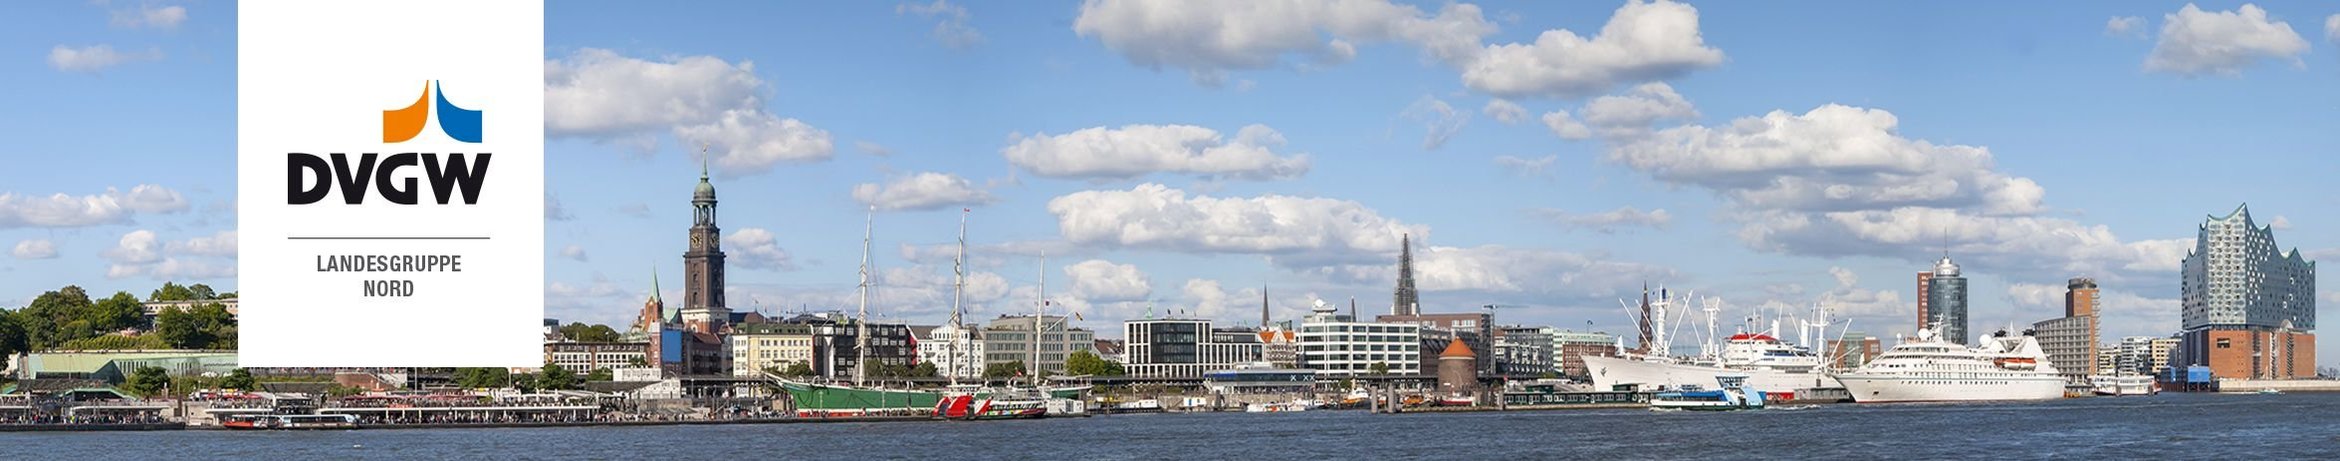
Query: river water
<point x="2169" y="426"/>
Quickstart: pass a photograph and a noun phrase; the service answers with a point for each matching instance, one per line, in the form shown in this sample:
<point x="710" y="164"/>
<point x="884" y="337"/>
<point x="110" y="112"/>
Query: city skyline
<point x="1551" y="157"/>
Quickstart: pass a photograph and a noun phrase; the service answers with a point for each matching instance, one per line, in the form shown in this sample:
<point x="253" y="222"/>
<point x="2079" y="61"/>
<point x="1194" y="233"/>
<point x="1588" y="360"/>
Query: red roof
<point x="1456" y="348"/>
<point x="1753" y="336"/>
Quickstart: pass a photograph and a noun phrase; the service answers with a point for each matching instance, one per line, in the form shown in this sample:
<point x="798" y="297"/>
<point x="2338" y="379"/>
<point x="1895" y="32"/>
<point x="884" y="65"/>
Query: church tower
<point x="1408" y="302"/>
<point x="703" y="310"/>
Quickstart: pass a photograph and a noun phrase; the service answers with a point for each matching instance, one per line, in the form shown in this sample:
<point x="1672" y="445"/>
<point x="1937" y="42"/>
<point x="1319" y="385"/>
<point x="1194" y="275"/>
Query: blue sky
<point x="1801" y="153"/>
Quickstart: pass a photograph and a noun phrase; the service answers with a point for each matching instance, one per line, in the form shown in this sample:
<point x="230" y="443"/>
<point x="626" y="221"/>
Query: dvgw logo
<point x="448" y="175"/>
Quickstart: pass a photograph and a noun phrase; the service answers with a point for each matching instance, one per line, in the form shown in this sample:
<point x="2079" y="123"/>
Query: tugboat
<point x="1732" y="395"/>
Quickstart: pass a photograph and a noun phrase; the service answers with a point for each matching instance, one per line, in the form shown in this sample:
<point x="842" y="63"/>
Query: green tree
<point x="56" y="317"/>
<point x="1083" y="362"/>
<point x="147" y="381"/>
<point x="208" y="326"/>
<point x="240" y="379"/>
<point x="598" y="374"/>
<point x="12" y="336"/>
<point x="1377" y="368"/>
<point x="1003" y="370"/>
<point x="580" y="332"/>
<point x="924" y="370"/>
<point x="171" y="291"/>
<point x="482" y="378"/>
<point x="637" y="362"/>
<point x="555" y="377"/>
<point x="119" y="312"/>
<point x="798" y="370"/>
<point x="201" y="292"/>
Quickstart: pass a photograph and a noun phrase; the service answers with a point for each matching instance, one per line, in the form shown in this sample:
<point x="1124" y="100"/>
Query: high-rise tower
<point x="1946" y="301"/>
<point x="1408" y="302"/>
<point x="2249" y="309"/>
<point x="703" y="309"/>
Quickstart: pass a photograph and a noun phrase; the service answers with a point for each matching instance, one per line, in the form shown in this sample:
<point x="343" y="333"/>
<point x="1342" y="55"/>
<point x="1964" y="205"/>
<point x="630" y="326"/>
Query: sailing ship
<point x="970" y="402"/>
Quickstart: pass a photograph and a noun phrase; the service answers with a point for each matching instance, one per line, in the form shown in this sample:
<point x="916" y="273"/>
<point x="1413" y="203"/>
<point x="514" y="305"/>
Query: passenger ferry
<point x="1930" y="369"/>
<point x="1733" y="395"/>
<point x="288" y="422"/>
<point x="2118" y="385"/>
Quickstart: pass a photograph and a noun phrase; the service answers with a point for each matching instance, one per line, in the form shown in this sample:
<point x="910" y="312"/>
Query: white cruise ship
<point x="1768" y="365"/>
<point x="1929" y="369"/>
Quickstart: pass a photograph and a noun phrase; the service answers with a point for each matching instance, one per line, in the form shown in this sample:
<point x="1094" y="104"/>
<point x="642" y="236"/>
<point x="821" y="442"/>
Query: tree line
<point x="68" y="318"/>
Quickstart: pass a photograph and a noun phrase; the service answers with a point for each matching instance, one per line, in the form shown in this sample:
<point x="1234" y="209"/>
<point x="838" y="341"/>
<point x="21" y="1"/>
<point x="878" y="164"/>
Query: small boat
<point x="1278" y="407"/>
<point x="289" y="422"/>
<point x="2269" y="391"/>
<point x="1733" y="395"/>
<point x="1455" y="401"/>
<point x="2119" y="385"/>
<point x="1011" y="403"/>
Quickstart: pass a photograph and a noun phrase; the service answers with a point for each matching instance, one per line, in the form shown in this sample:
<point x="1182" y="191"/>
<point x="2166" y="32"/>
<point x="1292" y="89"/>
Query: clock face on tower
<point x="698" y="241"/>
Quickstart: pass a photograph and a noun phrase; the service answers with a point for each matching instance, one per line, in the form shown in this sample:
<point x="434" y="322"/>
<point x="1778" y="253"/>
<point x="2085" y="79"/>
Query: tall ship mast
<point x="861" y="325"/>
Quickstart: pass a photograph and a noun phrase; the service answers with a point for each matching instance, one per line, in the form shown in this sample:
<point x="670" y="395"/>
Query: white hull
<point x="1608" y="372"/>
<point x="2124" y="385"/>
<point x="1883" y="389"/>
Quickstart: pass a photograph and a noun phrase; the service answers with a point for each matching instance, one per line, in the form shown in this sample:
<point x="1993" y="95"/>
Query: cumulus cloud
<point x="1137" y="150"/>
<point x="150" y="15"/>
<point x="1439" y="120"/>
<point x="574" y="253"/>
<point x="702" y="100"/>
<point x="35" y="249"/>
<point x="1524" y="166"/>
<point x="1208" y="38"/>
<point x="1606" y="222"/>
<point x="872" y="148"/>
<point x="1503" y="272"/>
<point x="1099" y="280"/>
<point x="1154" y="216"/>
<point x="1510" y="113"/>
<point x="991" y="254"/>
<point x="1636" y="112"/>
<point x="922" y="191"/>
<point x="2195" y="42"/>
<point x="1567" y="127"/>
<point x="94" y="58"/>
<point x="1643" y="41"/>
<point x="1828" y="159"/>
<point x="2332" y="28"/>
<point x="1849" y="299"/>
<point x="112" y="207"/>
<point x="142" y="252"/>
<point x="2125" y="26"/>
<point x="755" y="248"/>
<point x="952" y="31"/>
<point x="2119" y="312"/>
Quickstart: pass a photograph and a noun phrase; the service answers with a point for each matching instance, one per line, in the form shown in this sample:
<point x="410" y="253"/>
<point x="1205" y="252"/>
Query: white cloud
<point x="1831" y="158"/>
<point x="1137" y="150"/>
<point x="221" y="244"/>
<point x="574" y="252"/>
<point x="872" y="148"/>
<point x="922" y="191"/>
<point x="991" y="254"/>
<point x="112" y="207"/>
<point x="1510" y="113"/>
<point x="1635" y="113"/>
<point x="2125" y="26"/>
<point x="2196" y="42"/>
<point x="141" y="252"/>
<point x="751" y="141"/>
<point x="1099" y="280"/>
<point x="1497" y="271"/>
<point x="2280" y="223"/>
<point x="1641" y="42"/>
<point x="953" y="30"/>
<point x="1565" y="126"/>
<point x="755" y="248"/>
<point x="160" y="17"/>
<point x="1607" y="222"/>
<point x="703" y="100"/>
<point x="1439" y="120"/>
<point x="1158" y="217"/>
<point x="35" y="249"/>
<point x="1849" y="299"/>
<point x="2332" y="28"/>
<point x="1526" y="167"/>
<point x="2012" y="245"/>
<point x="1208" y="38"/>
<point x="2119" y="312"/>
<point x="95" y="57"/>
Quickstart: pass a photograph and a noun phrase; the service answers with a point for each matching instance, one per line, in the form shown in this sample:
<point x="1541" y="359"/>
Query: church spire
<point x="1407" y="302"/>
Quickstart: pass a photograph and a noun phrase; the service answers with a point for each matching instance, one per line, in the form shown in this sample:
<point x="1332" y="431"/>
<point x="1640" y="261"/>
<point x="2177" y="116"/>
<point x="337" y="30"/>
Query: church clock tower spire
<point x="703" y="307"/>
